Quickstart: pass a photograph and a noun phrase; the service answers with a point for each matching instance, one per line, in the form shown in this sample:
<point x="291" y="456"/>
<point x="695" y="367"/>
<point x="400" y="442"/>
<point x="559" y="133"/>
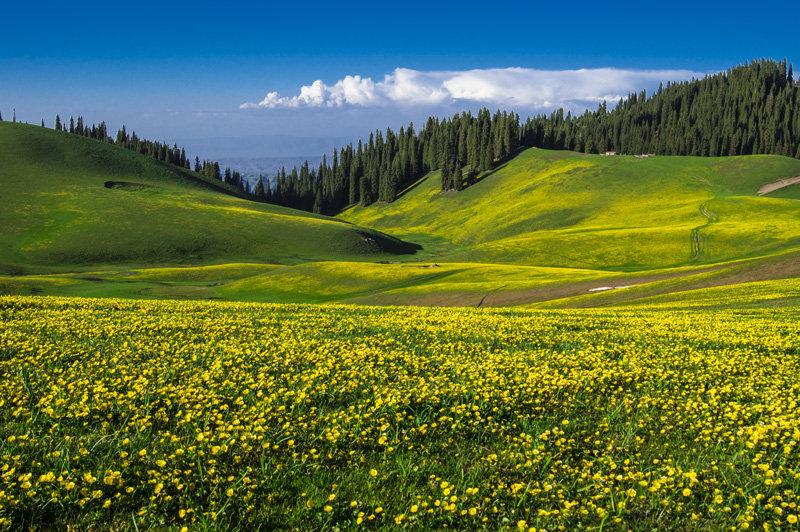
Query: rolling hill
<point x="545" y="229"/>
<point x="70" y="202"/>
<point x="623" y="213"/>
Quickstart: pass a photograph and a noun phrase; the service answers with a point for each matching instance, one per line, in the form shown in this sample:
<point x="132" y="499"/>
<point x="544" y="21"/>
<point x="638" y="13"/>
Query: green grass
<point x="311" y="282"/>
<point x="440" y="284"/>
<point x="547" y="228"/>
<point x="58" y="215"/>
<point x="550" y="208"/>
<point x="774" y="292"/>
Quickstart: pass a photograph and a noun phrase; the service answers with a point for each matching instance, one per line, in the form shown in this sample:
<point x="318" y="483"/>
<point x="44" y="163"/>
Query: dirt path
<point x="777" y="185"/>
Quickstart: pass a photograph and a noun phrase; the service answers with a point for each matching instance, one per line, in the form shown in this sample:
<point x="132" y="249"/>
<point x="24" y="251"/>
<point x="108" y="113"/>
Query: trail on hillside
<point x="777" y="185"/>
<point x="697" y="239"/>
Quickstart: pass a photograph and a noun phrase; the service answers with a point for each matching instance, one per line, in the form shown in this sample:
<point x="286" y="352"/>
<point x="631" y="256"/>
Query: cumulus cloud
<point x="519" y="88"/>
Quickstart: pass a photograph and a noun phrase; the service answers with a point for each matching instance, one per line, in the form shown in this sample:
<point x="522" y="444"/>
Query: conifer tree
<point x="458" y="178"/>
<point x="259" y="192"/>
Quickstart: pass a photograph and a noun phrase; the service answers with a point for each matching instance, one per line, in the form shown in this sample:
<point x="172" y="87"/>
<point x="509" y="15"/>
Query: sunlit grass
<point x="576" y="210"/>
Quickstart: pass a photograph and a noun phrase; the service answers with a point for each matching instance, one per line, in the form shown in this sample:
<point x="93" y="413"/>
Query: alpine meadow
<point x="532" y="297"/>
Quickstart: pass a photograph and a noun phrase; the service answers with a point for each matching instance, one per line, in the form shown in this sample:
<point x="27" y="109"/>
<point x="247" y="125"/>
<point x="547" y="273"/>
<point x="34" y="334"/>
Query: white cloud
<point x="518" y="88"/>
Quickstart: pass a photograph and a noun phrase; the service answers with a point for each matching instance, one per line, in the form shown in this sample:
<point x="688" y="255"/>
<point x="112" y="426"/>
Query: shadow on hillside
<point x="390" y="244"/>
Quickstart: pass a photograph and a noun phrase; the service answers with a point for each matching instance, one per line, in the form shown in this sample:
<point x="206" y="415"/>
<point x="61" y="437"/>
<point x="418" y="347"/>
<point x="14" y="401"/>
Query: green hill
<point x="547" y="228"/>
<point x="565" y="209"/>
<point x="69" y="202"/>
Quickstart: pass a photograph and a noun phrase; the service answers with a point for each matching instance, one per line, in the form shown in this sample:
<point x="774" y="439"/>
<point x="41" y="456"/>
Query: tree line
<point x="749" y="109"/>
<point x="158" y="150"/>
<point x="378" y="170"/>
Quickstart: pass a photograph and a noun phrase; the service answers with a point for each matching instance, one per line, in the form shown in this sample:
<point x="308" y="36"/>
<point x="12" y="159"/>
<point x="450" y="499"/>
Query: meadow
<point x="573" y="210"/>
<point x="544" y="228"/>
<point x="138" y="414"/>
<point x="62" y="216"/>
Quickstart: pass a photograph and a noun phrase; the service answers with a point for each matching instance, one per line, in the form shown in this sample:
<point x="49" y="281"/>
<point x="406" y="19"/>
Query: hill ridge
<point x="62" y="212"/>
<point x="560" y="208"/>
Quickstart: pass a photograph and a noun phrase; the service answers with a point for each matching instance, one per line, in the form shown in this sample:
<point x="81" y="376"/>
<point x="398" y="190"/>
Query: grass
<point x="774" y="292"/>
<point x="433" y="283"/>
<point x="217" y="415"/>
<point x="565" y="209"/>
<point x="546" y="229"/>
<point x="60" y="215"/>
<point x="674" y="409"/>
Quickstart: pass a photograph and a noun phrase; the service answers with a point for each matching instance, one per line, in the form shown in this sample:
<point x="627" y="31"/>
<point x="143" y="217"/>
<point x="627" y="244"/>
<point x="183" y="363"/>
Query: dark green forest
<point x="750" y="109"/>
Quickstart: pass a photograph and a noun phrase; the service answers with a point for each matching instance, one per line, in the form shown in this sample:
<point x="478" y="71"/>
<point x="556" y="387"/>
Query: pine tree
<point x="259" y="192"/>
<point x="58" y="123"/>
<point x="458" y="178"/>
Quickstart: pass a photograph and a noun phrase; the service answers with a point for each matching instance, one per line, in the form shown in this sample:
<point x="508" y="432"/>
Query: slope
<point x="623" y="213"/>
<point x="69" y="202"/>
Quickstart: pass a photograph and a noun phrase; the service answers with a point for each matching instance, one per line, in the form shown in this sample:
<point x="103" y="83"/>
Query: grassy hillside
<point x="551" y="208"/>
<point x="551" y="229"/>
<point x="70" y="201"/>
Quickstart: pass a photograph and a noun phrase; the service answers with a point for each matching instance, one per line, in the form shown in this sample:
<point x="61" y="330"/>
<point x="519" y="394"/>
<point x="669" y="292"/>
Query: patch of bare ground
<point x="777" y="185"/>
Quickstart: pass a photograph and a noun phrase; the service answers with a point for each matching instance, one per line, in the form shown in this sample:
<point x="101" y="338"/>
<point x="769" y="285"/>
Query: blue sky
<point x="180" y="71"/>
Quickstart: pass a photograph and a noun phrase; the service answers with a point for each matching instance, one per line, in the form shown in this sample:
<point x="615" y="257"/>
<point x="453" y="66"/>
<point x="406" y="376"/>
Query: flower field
<point x="139" y="414"/>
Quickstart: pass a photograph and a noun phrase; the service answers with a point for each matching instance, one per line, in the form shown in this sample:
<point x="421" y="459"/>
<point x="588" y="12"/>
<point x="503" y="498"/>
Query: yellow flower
<point x="791" y="518"/>
<point x="373" y="473"/>
<point x="687" y="492"/>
